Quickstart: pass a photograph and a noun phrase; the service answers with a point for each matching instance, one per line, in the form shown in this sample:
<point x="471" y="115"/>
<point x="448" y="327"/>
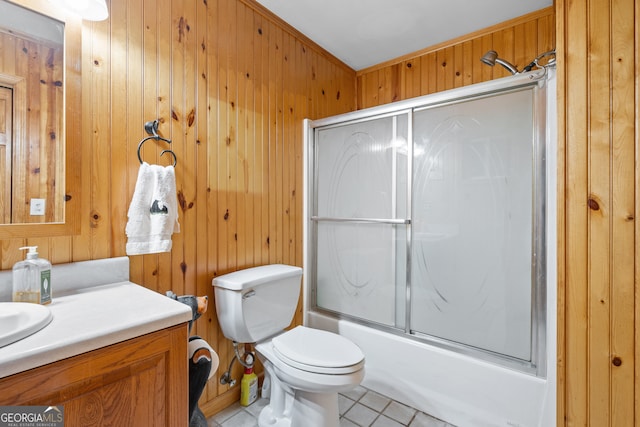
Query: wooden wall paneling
<point x="189" y="117"/>
<point x="127" y="106"/>
<point x="60" y="250"/>
<point x="525" y="41"/>
<point x="393" y="81"/>
<point x="623" y="184"/>
<point x="249" y="167"/>
<point x="469" y="61"/>
<point x="140" y="58"/>
<point x="599" y="218"/>
<point x="368" y="94"/>
<point x="545" y="32"/>
<point x="211" y="143"/>
<point x="303" y="110"/>
<point x="413" y="79"/>
<point x="428" y="71"/>
<point x="230" y="149"/>
<point x="177" y="29"/>
<point x="269" y="147"/>
<point x="202" y="189"/>
<point x="636" y="324"/>
<point x="147" y="110"/>
<point x="295" y="190"/>
<point x="457" y="65"/>
<point x="226" y="36"/>
<point x="262" y="143"/>
<point x="143" y="268"/>
<point x="226" y="33"/>
<point x="444" y="79"/>
<point x="477" y="67"/>
<point x="486" y="72"/>
<point x="242" y="232"/>
<point x="596" y="340"/>
<point x="291" y="137"/>
<point x="576" y="237"/>
<point x="82" y="242"/>
<point x="10" y="252"/>
<point x="275" y="132"/>
<point x="100" y="144"/>
<point x="159" y="268"/>
<point x="508" y="44"/>
<point x="324" y="86"/>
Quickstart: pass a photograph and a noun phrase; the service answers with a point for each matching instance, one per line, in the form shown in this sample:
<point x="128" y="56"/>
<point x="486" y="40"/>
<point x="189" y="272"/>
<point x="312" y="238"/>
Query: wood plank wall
<point x="599" y="72"/>
<point x="230" y="85"/>
<point x="457" y="63"/>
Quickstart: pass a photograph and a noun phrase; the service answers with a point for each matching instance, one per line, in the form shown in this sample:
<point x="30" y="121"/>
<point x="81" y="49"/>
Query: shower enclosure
<point x="427" y="219"/>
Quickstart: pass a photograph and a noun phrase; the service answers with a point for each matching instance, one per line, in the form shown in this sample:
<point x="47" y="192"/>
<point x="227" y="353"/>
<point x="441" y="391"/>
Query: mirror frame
<point x="72" y="128"/>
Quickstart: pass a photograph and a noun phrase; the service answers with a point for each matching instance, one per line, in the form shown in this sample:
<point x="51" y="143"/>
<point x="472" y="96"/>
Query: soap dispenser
<point x="26" y="278"/>
<point x="32" y="278"/>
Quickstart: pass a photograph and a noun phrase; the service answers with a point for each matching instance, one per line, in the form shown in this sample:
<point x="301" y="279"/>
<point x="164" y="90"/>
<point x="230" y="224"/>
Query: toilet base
<point x="305" y="410"/>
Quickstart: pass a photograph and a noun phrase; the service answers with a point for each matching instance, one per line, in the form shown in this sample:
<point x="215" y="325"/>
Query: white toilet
<point x="306" y="367"/>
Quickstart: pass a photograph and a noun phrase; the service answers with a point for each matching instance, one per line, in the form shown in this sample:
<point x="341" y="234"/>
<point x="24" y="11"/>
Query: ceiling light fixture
<point x="90" y="10"/>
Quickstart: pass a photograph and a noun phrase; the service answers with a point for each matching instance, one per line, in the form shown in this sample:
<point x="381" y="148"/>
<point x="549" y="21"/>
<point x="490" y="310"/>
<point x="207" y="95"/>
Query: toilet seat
<point x="318" y="351"/>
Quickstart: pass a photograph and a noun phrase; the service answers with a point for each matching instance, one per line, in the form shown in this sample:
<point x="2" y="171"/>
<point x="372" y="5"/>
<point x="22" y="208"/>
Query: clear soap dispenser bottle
<point x="26" y="278"/>
<point x="32" y="278"/>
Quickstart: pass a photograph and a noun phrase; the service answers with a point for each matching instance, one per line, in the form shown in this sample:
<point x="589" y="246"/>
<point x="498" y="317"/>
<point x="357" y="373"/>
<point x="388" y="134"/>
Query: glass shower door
<point x="360" y="218"/>
<point x="473" y="173"/>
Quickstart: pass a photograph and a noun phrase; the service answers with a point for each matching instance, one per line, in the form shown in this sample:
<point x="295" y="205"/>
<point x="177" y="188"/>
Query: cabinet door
<point x="140" y="382"/>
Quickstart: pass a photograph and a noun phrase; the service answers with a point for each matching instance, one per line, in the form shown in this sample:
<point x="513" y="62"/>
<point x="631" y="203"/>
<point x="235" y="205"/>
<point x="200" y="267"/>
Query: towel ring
<point x="152" y="129"/>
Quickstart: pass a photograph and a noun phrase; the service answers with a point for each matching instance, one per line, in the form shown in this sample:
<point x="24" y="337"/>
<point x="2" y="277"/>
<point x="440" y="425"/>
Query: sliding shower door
<point x="360" y="220"/>
<point x="472" y="223"/>
<point x="427" y="219"/>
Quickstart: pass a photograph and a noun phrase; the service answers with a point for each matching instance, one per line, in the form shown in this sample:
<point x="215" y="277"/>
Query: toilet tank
<point x="258" y="302"/>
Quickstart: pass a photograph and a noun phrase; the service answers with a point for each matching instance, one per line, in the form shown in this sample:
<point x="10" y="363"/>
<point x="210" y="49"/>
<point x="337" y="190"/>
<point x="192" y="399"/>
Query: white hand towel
<point x="153" y="213"/>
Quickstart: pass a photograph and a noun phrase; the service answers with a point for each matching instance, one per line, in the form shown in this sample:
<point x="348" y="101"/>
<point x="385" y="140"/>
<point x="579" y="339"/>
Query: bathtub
<point x="458" y="389"/>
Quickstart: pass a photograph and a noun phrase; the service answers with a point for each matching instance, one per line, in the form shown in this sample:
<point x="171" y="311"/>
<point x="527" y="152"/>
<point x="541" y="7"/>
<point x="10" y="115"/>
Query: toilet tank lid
<point x="250" y="277"/>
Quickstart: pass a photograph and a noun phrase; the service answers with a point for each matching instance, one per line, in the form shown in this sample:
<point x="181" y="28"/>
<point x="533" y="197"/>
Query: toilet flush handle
<point x="249" y="294"/>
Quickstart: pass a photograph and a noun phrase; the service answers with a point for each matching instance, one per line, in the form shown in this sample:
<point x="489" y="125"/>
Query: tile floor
<point x="358" y="407"/>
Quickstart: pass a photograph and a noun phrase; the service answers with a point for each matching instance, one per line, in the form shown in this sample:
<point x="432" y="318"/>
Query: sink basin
<point x="21" y="319"/>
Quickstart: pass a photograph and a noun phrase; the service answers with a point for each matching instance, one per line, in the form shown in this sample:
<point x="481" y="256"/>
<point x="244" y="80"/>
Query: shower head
<point x="491" y="58"/>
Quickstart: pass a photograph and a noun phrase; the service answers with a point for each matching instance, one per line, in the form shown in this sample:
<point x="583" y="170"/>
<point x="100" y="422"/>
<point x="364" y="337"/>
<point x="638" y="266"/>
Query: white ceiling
<point x="363" y="33"/>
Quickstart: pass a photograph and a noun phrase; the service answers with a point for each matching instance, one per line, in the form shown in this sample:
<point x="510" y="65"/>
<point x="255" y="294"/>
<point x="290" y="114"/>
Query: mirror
<point x="40" y="106"/>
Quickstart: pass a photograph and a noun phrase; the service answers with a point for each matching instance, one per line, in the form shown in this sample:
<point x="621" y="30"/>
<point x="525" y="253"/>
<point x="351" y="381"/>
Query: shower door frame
<point x="534" y="81"/>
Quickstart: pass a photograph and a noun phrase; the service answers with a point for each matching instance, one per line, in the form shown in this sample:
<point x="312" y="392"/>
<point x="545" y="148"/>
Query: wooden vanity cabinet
<point x="139" y="382"/>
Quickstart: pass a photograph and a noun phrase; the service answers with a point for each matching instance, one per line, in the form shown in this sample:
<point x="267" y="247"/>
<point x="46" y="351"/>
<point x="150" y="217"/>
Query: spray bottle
<point x="249" y="383"/>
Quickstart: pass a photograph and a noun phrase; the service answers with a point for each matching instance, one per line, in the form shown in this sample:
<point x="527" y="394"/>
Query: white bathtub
<point x="455" y="388"/>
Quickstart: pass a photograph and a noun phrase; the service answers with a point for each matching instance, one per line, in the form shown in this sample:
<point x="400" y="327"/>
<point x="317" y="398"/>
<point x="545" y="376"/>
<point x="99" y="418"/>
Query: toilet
<point x="305" y="368"/>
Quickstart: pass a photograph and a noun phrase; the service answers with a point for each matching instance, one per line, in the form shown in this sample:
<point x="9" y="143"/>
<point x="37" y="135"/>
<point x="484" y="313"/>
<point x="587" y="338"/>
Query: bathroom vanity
<point x="115" y="352"/>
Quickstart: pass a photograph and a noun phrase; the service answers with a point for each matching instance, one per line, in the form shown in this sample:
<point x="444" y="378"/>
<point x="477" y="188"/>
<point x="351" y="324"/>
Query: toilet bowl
<point x="305" y="368"/>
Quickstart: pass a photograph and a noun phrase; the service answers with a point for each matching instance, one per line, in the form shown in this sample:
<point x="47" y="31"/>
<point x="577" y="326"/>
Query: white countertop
<point x="86" y="319"/>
